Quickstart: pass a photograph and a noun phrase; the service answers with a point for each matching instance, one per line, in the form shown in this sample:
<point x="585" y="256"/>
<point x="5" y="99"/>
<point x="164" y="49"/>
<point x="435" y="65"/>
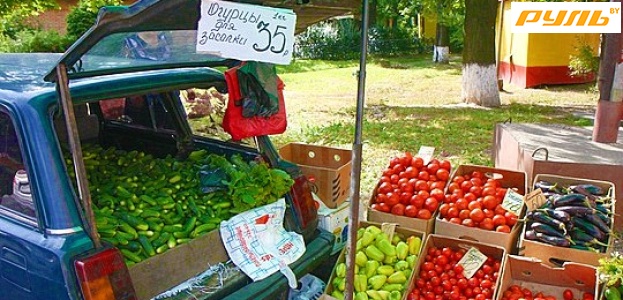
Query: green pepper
<point x="375" y="295"/>
<point x="377" y="281"/>
<point x="412" y="259"/>
<point x="361" y="283"/>
<point x="386" y="247"/>
<point x="401" y="265"/>
<point x="340" y="270"/>
<point x="390" y="287"/>
<point x="414" y="244"/>
<point x="374" y="253"/>
<point x="395" y="295"/>
<point x="371" y="266"/>
<point x="361" y="259"/>
<point x="337" y="295"/>
<point x="361" y="296"/>
<point x="402" y="250"/>
<point x="612" y="293"/>
<point x="397" y="277"/>
<point x="385" y="270"/>
<point x="367" y="238"/>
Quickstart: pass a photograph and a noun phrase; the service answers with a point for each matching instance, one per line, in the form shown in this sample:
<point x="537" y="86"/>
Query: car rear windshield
<point x="146" y="49"/>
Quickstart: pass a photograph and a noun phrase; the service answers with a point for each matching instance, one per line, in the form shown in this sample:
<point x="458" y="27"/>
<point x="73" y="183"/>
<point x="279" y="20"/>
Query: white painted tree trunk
<point x="441" y="54"/>
<point x="480" y="85"/>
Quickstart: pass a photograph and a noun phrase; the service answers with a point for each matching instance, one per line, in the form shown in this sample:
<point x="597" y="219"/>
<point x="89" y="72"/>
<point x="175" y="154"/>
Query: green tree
<point x="26" y="8"/>
<point x="83" y="16"/>
<point x="450" y="15"/>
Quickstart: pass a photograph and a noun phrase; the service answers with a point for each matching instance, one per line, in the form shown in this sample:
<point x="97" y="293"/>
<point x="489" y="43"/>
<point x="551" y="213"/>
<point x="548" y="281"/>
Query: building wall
<point x="56" y="19"/>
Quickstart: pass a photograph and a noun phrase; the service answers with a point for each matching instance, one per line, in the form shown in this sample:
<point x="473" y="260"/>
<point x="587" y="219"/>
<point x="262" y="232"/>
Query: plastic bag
<point x="265" y="122"/>
<point x="311" y="288"/>
<point x="258" y="244"/>
<point x="211" y="180"/>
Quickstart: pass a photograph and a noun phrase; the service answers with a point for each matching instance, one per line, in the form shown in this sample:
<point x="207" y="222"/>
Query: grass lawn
<point x="411" y="102"/>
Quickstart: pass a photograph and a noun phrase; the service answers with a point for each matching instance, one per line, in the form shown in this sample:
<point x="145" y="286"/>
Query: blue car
<point x="124" y="86"/>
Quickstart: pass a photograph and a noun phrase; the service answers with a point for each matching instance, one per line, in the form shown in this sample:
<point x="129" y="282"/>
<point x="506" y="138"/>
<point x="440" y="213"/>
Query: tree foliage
<point x="84" y="15"/>
<point x="25" y="8"/>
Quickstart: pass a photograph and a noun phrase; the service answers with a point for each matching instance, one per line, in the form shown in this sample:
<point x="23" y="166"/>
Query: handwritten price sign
<point x="246" y="32"/>
<point x="472" y="260"/>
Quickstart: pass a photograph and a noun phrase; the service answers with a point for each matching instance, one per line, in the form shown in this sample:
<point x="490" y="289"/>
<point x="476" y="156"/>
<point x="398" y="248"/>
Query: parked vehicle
<point x="105" y="97"/>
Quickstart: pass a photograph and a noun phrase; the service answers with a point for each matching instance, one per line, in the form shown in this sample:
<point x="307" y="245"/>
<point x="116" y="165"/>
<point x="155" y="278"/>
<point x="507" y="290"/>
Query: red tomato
<point x="383" y="207"/>
<point x="423" y="175"/>
<point x="437" y="194"/>
<point x="487" y="224"/>
<point x="453" y="212"/>
<point x="443" y="209"/>
<point x="417" y="201"/>
<point x="567" y="294"/>
<point x="442" y="174"/>
<point x="380" y="198"/>
<point x="392" y="199"/>
<point x="394" y="178"/>
<point x="466" y="185"/>
<point x="411" y="211"/>
<point x="477" y="215"/>
<point x="438" y="185"/>
<point x="424" y="214"/>
<point x="452" y="186"/>
<point x="421" y="185"/>
<point x="499" y="220"/>
<point x="417" y="162"/>
<point x="455" y="221"/>
<point x="445" y="164"/>
<point x="468" y="222"/>
<point x="384" y="187"/>
<point x="398" y="209"/>
<point x="511" y="218"/>
<point x="464" y="214"/>
<point x="588" y="296"/>
<point x="503" y="228"/>
<point x="405" y="197"/>
<point x="489" y="202"/>
<point x="474" y="205"/>
<point x="431" y="204"/>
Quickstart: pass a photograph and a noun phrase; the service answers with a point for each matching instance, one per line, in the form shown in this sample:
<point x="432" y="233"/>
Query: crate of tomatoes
<point x="529" y="278"/>
<point x="409" y="192"/>
<point x="483" y="204"/>
<point x="451" y="268"/>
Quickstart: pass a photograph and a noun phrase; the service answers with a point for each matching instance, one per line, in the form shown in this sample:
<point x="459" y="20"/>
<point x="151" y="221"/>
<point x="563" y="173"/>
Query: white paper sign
<point x="513" y="201"/>
<point x="426" y="153"/>
<point x="472" y="260"/>
<point x="246" y="32"/>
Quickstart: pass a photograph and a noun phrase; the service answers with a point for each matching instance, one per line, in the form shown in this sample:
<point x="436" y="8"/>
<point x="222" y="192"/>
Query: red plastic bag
<point x="240" y="127"/>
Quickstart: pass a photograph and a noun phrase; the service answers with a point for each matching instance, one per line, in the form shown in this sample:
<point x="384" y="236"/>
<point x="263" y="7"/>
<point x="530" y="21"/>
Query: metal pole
<point x="76" y="150"/>
<point x="353" y="222"/>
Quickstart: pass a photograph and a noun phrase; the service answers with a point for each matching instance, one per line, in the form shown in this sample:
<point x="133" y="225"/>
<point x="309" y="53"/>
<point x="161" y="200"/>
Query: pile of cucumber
<point x="145" y="205"/>
<point x="575" y="216"/>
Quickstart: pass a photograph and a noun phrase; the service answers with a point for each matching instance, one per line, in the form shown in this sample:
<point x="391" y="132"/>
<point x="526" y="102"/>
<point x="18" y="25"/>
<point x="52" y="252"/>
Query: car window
<point x="14" y="185"/>
<point x="205" y="109"/>
<point x="147" y="111"/>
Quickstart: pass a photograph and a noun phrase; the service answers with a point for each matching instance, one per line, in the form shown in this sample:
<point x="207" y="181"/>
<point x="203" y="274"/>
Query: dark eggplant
<point x="604" y="208"/>
<point x="589" y="188"/>
<point x="596" y="220"/>
<point x="589" y="228"/>
<point x="553" y="240"/>
<point x="546" y="229"/>
<point x="538" y="216"/>
<point x="557" y="214"/>
<point x="574" y="200"/>
<point x="547" y="204"/>
<point x="581" y="237"/>
<point x="605" y="218"/>
<point x="576" y="210"/>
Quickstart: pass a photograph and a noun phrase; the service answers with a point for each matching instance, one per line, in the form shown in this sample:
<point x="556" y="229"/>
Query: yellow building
<point x="534" y="59"/>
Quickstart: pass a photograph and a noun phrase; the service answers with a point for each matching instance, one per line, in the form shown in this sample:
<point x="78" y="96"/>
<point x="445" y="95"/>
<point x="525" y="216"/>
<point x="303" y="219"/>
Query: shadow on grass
<point x="462" y="132"/>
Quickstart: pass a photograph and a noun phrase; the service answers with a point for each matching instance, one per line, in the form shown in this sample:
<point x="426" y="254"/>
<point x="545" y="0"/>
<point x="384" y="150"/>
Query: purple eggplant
<point x="588" y="188"/>
<point x="589" y="228"/>
<point x="557" y="214"/>
<point x="597" y="221"/>
<point x="574" y="200"/>
<point x="530" y="235"/>
<point x="546" y="229"/>
<point x="539" y="216"/>
<point x="576" y="210"/>
<point x="553" y="240"/>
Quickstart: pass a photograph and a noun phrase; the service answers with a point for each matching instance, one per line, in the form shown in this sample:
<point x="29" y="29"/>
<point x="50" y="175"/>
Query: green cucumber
<point x="203" y="228"/>
<point x="134" y="221"/>
<point x="130" y="256"/>
<point x="149" y="249"/>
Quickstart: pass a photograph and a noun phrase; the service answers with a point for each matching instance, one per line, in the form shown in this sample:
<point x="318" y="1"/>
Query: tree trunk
<point x="441" y="51"/>
<point x="480" y="85"/>
<point x="610" y="105"/>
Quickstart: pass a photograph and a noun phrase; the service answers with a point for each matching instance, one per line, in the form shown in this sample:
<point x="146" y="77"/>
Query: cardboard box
<point x="330" y="168"/>
<point x="426" y="226"/>
<point x="164" y="271"/>
<point x="531" y="273"/>
<point x="508" y="179"/>
<point x="406" y="232"/>
<point x="435" y="240"/>
<point x="554" y="255"/>
<point x="336" y="222"/>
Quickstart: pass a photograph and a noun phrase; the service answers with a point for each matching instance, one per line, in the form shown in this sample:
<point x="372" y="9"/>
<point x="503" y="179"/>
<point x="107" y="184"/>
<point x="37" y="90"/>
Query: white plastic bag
<point x="259" y="245"/>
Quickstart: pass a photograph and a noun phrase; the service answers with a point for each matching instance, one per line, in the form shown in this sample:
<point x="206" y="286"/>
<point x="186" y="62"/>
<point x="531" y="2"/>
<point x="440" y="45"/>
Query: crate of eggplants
<point x="575" y="216"/>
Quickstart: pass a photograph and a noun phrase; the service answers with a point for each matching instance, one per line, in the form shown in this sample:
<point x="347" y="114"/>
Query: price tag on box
<point x="513" y="201"/>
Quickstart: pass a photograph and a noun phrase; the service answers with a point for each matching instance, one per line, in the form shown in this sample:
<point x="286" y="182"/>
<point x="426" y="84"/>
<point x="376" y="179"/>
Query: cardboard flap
<point x="570" y="274"/>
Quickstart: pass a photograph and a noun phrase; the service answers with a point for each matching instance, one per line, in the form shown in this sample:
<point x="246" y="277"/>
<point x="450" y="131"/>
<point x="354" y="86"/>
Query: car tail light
<point x="302" y="199"/>
<point x="104" y="276"/>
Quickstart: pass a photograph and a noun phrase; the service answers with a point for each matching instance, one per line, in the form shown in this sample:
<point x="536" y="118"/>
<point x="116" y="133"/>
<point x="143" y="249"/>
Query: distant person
<point x="149" y="45"/>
